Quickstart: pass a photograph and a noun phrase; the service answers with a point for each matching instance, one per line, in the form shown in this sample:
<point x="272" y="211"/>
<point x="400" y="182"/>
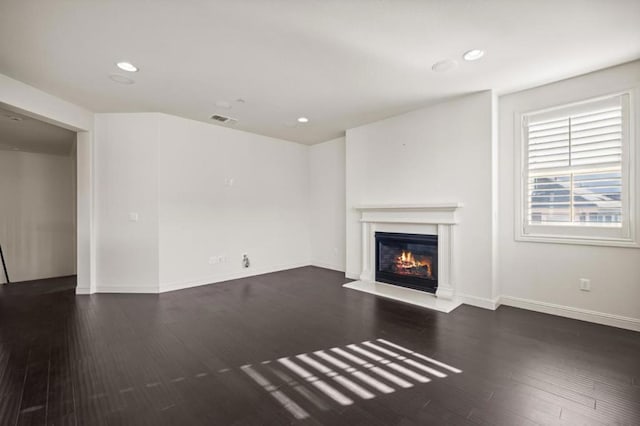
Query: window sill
<point x="586" y="241"/>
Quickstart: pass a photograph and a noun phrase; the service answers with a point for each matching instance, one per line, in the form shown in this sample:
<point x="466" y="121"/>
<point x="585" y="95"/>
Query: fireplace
<point x="428" y="230"/>
<point x="407" y="260"/>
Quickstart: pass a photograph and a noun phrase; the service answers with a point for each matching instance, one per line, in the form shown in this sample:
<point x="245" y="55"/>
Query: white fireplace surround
<point x="431" y="219"/>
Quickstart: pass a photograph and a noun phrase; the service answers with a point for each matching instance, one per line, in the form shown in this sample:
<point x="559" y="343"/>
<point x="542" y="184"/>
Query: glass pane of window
<point x="597" y="197"/>
<point x="549" y="199"/>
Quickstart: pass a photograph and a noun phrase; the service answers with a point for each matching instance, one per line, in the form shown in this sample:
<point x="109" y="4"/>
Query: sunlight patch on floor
<point x="341" y="375"/>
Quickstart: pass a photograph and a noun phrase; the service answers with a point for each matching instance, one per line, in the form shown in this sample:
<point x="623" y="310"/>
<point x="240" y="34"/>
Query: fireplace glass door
<point x="408" y="260"/>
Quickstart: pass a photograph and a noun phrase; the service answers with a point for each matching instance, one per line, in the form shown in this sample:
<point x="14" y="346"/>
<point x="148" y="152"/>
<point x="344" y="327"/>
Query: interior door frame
<point x="24" y="99"/>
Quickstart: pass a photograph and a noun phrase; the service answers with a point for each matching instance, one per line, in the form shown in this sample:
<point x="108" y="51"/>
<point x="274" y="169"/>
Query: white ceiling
<point x="21" y="133"/>
<point x="342" y="63"/>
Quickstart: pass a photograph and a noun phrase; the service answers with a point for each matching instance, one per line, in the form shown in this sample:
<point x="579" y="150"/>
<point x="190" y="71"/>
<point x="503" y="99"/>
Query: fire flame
<point x="409" y="264"/>
<point x="407" y="257"/>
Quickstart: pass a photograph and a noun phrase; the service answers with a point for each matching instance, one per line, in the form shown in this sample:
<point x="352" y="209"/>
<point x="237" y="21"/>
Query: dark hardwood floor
<point x="213" y="355"/>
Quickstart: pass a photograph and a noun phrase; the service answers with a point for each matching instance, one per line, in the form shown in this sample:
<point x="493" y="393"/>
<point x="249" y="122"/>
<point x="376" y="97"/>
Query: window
<point x="576" y="173"/>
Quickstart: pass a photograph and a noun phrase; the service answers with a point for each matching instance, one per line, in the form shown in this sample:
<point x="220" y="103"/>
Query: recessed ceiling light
<point x="473" y="55"/>
<point x="121" y="79"/>
<point x="444" y="65"/>
<point x="127" y="66"/>
<point x="303" y="120"/>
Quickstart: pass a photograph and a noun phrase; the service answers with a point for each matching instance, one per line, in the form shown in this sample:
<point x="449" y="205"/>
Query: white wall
<point x="545" y="273"/>
<point x="172" y="173"/>
<point x="126" y="181"/>
<point x="263" y="213"/>
<point x="327" y="193"/>
<point x="85" y="221"/>
<point x="436" y="154"/>
<point x="37" y="226"/>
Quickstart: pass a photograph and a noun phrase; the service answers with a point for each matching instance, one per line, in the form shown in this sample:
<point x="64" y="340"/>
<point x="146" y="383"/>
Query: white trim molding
<point x="436" y="213"/>
<point x="181" y="285"/>
<point x="331" y="266"/>
<point x="125" y="289"/>
<point x="480" y="302"/>
<point x="351" y="276"/>
<point x="603" y="318"/>
<point x="214" y="279"/>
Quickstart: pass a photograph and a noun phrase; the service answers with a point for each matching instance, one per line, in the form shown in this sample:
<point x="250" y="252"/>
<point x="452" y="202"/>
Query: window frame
<point x="583" y="234"/>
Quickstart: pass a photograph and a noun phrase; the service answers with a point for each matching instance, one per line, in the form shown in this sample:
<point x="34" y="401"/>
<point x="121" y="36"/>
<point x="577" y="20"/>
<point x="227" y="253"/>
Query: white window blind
<point x="574" y="164"/>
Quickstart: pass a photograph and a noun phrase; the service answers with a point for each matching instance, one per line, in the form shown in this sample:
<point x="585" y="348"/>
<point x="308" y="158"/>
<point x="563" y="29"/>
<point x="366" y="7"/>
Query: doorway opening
<point x="38" y="206"/>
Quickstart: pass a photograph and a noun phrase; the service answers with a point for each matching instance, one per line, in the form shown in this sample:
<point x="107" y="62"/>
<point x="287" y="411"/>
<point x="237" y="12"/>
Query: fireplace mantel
<point x="435" y="219"/>
<point x="431" y="206"/>
<point x="436" y="213"/>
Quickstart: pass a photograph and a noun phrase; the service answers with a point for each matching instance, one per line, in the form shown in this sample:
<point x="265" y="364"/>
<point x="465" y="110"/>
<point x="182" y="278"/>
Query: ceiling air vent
<point x="223" y="119"/>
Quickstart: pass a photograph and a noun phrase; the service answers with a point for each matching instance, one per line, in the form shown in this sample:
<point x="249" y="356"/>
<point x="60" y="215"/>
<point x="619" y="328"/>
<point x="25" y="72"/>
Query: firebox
<point x="408" y="260"/>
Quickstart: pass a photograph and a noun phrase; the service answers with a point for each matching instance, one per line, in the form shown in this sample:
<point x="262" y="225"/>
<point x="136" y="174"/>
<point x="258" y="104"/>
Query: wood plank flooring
<point x="212" y="355"/>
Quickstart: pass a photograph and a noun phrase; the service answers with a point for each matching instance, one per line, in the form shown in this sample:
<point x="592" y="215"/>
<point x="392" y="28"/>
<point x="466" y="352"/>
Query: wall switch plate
<point x="133" y="217"/>
<point x="585" y="284"/>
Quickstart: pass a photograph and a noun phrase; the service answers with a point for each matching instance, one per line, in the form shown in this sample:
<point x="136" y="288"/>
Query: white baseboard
<point x="126" y="289"/>
<point x="575" y="313"/>
<point x="480" y="302"/>
<point x="352" y="275"/>
<point x="180" y="285"/>
<point x="82" y="291"/>
<point x="324" y="265"/>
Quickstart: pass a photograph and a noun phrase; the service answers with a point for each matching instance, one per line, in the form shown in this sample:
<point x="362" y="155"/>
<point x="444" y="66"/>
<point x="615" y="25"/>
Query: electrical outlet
<point x="585" y="284"/>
